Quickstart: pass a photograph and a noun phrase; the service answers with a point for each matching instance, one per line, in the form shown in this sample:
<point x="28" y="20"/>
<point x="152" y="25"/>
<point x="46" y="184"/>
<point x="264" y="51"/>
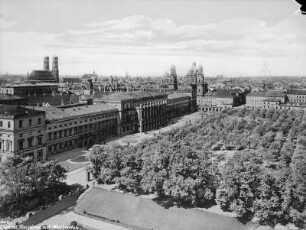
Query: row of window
<point x="136" y="104"/>
<point x="29" y="121"/>
<point x="92" y="119"/>
<point x="80" y="129"/>
<point x="30" y="142"/>
<point x="297" y="96"/>
<point x="8" y="124"/>
<point x="21" y="123"/>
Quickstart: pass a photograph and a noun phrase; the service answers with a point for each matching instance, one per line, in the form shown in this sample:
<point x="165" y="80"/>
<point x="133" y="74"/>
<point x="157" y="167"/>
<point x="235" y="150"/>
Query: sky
<point x="146" y="37"/>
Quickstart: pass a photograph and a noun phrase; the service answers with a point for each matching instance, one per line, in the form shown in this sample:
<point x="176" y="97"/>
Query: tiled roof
<point x="54" y="100"/>
<point x="178" y="95"/>
<point x="297" y="92"/>
<point x="257" y="94"/>
<point x="223" y="93"/>
<point x="53" y="113"/>
<point x="267" y="94"/>
<point x="29" y="85"/>
<point x="17" y="111"/>
<point x="131" y="95"/>
<point x="10" y="97"/>
<point x="275" y="93"/>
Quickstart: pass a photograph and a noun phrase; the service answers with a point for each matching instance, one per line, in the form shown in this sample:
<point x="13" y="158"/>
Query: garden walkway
<point x="51" y="211"/>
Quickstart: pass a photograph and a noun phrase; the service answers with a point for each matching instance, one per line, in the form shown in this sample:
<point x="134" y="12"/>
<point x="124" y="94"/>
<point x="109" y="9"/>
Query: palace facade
<point x="138" y="111"/>
<point x="22" y="132"/>
<point x="78" y="126"/>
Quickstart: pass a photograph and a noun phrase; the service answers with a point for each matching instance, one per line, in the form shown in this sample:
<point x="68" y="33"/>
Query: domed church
<point x="45" y="75"/>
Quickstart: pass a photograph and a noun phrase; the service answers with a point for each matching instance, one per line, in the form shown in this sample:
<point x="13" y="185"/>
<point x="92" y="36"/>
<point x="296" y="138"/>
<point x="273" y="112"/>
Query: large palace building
<point x="138" y="111"/>
<point x="78" y="126"/>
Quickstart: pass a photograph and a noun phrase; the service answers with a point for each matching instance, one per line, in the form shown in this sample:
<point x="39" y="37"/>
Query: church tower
<point x="55" y="71"/>
<point x="201" y="86"/>
<point x="192" y="77"/>
<point x="173" y="79"/>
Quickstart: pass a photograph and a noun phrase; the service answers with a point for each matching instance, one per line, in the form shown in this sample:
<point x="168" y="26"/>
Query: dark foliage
<point x="264" y="180"/>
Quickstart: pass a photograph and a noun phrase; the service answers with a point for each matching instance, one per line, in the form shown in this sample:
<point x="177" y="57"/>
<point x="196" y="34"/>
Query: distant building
<point x="221" y="99"/>
<point x="192" y="78"/>
<point x="26" y="89"/>
<point x="296" y="97"/>
<point x="71" y="80"/>
<point x="170" y="83"/>
<point x="138" y="111"/>
<point x="22" y="132"/>
<point x="266" y="99"/>
<point x="13" y="100"/>
<point x="45" y="75"/>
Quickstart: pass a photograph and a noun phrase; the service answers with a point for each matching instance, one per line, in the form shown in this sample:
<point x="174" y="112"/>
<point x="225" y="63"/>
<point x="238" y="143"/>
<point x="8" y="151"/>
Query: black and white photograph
<point x="153" y="114"/>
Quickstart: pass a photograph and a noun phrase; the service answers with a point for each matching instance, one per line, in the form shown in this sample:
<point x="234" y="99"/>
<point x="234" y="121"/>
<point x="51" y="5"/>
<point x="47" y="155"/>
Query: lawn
<point x="146" y="213"/>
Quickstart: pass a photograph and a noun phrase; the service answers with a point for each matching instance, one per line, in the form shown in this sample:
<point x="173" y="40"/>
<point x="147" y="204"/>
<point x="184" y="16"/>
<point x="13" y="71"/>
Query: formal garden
<point x="263" y="178"/>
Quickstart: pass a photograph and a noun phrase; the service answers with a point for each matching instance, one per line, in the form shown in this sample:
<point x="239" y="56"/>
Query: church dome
<point x="41" y="76"/>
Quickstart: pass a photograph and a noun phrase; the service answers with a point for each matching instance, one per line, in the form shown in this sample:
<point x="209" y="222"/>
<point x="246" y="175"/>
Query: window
<point x="39" y="140"/>
<point x="9" y="124"/>
<point x="39" y="121"/>
<point x="20" y="144"/>
<point x="49" y="136"/>
<point x="1" y="123"/>
<point x="20" y="123"/>
<point x="30" y="122"/>
<point x="30" y="142"/>
<point x="40" y="155"/>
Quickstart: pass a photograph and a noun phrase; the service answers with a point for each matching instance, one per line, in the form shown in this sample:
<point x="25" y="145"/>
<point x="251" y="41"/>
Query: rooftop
<point x="178" y="95"/>
<point x="131" y="95"/>
<point x="267" y="94"/>
<point x="15" y="85"/>
<point x="54" y="113"/>
<point x="17" y="111"/>
<point x="10" y="97"/>
<point x="41" y="76"/>
<point x="223" y="93"/>
<point x="296" y="92"/>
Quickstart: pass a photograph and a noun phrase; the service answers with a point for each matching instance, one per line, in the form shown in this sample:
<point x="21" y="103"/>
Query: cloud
<point x="238" y="36"/>
<point x="139" y="37"/>
<point x="4" y="25"/>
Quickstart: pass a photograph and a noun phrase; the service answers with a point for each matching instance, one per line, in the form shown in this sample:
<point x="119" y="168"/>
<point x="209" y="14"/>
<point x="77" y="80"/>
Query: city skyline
<point x="229" y="37"/>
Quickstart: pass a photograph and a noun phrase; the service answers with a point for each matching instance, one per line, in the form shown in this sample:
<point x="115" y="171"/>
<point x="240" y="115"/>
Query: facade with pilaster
<point x="178" y="105"/>
<point x="138" y="111"/>
<point x="79" y="126"/>
<point x="22" y="132"/>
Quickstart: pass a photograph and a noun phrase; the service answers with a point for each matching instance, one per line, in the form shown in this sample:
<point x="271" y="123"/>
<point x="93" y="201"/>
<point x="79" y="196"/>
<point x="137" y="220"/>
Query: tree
<point x="239" y="183"/>
<point x="267" y="207"/>
<point x="29" y="183"/>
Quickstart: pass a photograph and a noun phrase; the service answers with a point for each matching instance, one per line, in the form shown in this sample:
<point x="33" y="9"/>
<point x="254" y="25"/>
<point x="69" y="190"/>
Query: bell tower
<point x="201" y="86"/>
<point x="173" y="79"/>
<point x="55" y="71"/>
<point x="192" y="77"/>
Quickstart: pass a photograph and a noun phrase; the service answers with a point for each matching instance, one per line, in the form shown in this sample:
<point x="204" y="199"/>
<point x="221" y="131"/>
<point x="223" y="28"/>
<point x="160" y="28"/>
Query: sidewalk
<point x="69" y="154"/>
<point x="51" y="211"/>
<point x="87" y="222"/>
